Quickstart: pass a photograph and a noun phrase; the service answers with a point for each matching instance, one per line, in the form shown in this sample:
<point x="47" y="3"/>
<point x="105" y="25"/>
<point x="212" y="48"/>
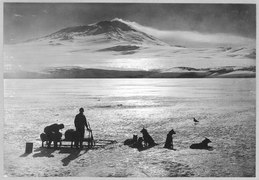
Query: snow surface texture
<point x="119" y="108"/>
<point x="125" y="46"/>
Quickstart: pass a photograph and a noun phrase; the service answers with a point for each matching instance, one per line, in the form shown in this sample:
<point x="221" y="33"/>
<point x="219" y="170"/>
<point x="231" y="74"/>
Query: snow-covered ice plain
<point x="119" y="108"/>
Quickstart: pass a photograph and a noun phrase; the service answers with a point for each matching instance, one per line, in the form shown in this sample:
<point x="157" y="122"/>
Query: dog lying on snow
<point x="138" y="144"/>
<point x="202" y="145"/>
<point x="135" y="142"/>
<point x="148" y="140"/>
<point x="131" y="141"/>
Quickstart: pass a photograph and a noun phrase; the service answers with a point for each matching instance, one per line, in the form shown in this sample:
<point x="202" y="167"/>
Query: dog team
<point x="52" y="134"/>
<point x="147" y="141"/>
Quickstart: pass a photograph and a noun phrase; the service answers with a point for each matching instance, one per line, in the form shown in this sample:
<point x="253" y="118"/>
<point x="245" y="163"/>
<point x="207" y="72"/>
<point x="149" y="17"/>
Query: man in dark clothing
<point x="80" y="124"/>
<point x="53" y="134"/>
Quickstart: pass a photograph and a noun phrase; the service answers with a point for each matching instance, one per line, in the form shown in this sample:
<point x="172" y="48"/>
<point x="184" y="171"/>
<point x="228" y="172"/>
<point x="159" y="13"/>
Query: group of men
<point x="80" y="122"/>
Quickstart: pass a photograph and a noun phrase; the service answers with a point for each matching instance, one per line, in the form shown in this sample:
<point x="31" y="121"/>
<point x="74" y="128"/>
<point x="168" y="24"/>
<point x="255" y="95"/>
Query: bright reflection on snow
<point x="136" y="63"/>
<point x="118" y="108"/>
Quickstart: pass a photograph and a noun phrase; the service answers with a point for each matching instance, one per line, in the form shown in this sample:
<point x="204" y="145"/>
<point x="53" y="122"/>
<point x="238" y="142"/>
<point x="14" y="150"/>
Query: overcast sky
<point x="24" y="21"/>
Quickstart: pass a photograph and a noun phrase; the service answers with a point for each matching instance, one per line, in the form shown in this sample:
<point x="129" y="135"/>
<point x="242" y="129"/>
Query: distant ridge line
<point x="78" y="72"/>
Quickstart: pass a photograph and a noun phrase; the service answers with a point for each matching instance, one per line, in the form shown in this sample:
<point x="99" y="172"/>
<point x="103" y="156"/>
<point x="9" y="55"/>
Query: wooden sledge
<point x="90" y="141"/>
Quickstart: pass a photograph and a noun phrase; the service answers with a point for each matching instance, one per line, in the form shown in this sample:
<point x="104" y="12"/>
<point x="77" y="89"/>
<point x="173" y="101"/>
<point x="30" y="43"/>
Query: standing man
<point x="80" y="124"/>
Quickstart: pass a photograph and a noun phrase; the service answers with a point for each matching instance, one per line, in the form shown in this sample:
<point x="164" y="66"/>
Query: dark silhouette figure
<point x="202" y="145"/>
<point x="43" y="138"/>
<point x="138" y="144"/>
<point x="135" y="142"/>
<point x="148" y="140"/>
<point x="195" y="120"/>
<point x="169" y="140"/>
<point x="80" y="124"/>
<point x="131" y="141"/>
<point x="53" y="134"/>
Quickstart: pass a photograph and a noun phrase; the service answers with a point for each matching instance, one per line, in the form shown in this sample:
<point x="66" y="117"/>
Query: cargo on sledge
<point x="70" y="136"/>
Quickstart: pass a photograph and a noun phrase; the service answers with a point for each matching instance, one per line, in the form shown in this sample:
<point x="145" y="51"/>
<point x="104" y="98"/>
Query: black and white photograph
<point x="129" y="89"/>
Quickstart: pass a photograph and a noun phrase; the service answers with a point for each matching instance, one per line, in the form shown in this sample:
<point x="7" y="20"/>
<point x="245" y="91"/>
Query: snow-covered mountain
<point x="115" y="30"/>
<point x="122" y="46"/>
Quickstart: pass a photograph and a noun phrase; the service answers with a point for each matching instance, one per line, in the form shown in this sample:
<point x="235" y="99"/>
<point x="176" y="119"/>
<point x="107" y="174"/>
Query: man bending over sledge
<point x="80" y="124"/>
<point x="53" y="134"/>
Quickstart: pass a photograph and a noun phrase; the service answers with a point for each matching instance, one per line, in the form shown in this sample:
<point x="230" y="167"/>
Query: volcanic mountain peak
<point x="102" y="27"/>
<point x="115" y="29"/>
<point x="114" y="24"/>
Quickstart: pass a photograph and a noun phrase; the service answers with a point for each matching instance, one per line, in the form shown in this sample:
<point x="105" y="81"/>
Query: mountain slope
<point x="117" y="45"/>
<point x="114" y="30"/>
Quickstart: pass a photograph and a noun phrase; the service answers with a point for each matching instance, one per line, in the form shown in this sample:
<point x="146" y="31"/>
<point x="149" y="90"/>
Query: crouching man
<point x="53" y="134"/>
